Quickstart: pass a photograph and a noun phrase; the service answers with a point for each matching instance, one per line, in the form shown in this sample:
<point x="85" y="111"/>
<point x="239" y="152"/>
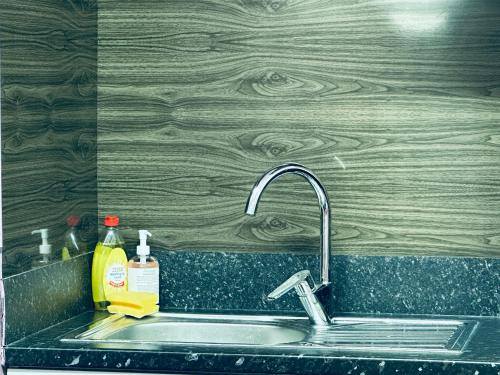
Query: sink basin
<point x="196" y="329"/>
<point x="346" y="333"/>
<point x="250" y="333"/>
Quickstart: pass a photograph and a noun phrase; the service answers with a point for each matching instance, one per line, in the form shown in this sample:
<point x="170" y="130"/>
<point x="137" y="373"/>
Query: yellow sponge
<point x="136" y="304"/>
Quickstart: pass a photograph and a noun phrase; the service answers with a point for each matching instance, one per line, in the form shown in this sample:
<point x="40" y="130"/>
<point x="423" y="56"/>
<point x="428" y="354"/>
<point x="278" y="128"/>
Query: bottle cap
<point x="111" y="221"/>
<point x="143" y="248"/>
<point x="73" y="220"/>
<point x="45" y="247"/>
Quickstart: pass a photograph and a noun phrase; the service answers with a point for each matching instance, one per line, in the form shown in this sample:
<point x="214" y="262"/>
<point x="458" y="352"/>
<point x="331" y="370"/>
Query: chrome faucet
<point x="302" y="281"/>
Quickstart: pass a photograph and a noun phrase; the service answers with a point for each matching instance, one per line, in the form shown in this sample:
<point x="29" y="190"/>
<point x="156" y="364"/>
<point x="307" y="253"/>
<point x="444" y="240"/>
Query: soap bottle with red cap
<point x="73" y="245"/>
<point x="112" y="237"/>
<point x="109" y="264"/>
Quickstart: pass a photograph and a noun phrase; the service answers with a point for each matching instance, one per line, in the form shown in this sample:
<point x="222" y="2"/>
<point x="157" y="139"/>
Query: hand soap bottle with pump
<point x="45" y="248"/>
<point x="143" y="269"/>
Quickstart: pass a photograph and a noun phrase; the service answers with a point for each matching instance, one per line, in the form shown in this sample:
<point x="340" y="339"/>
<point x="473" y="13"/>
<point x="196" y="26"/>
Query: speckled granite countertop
<point x="45" y="350"/>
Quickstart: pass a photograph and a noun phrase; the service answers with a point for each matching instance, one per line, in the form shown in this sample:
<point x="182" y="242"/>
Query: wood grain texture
<point x="395" y="105"/>
<point x="49" y="104"/>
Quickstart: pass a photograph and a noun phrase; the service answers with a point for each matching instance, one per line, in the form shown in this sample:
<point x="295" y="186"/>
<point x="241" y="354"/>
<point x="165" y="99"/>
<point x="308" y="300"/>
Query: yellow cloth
<point x="136" y="304"/>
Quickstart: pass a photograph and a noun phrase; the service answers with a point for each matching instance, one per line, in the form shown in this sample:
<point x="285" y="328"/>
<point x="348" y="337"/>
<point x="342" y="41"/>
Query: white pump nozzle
<point x="45" y="247"/>
<point x="143" y="248"/>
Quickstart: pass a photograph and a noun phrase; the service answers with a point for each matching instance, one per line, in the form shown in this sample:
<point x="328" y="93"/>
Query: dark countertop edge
<point x="44" y="350"/>
<point x="232" y="363"/>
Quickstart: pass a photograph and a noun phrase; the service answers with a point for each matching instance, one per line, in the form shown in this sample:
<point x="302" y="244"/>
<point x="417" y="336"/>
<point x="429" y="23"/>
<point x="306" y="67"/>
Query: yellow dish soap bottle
<point x="112" y="240"/>
<point x="114" y="277"/>
<point x="143" y="269"/>
<point x="101" y="253"/>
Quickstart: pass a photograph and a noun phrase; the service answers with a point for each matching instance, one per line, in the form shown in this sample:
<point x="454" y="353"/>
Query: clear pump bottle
<point x="144" y="269"/>
<point x="45" y="248"/>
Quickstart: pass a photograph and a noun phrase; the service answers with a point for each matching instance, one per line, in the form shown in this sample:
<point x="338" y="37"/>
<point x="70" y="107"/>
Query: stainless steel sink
<point x="346" y="333"/>
<point x="196" y="329"/>
<point x="250" y="333"/>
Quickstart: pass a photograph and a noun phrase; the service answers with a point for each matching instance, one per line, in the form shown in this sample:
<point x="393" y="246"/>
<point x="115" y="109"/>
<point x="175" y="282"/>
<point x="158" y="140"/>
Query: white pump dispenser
<point x="45" y="247"/>
<point x="143" y="248"/>
<point x="143" y="269"/>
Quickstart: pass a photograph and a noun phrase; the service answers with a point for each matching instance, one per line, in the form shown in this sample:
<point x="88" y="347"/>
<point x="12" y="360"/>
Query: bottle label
<point x="144" y="280"/>
<point x="116" y="275"/>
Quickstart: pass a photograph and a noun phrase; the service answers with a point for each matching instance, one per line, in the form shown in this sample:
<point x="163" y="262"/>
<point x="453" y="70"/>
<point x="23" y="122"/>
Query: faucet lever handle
<point x="300" y="279"/>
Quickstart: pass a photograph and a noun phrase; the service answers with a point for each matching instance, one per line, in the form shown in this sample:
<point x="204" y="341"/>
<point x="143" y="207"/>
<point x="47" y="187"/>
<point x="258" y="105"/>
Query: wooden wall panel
<point x="49" y="112"/>
<point x="395" y="105"/>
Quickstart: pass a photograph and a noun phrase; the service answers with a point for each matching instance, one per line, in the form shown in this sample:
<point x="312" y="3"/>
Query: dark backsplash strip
<point x="227" y="281"/>
<point x="377" y="284"/>
<point x="417" y="285"/>
<point x="45" y="296"/>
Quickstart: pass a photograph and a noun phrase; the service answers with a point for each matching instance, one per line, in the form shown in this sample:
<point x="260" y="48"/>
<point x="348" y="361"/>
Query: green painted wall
<point x="49" y="99"/>
<point x="394" y="104"/>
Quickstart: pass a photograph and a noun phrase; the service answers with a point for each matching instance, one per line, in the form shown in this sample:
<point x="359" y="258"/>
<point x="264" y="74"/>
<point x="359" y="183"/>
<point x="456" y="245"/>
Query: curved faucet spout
<point x="324" y="206"/>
